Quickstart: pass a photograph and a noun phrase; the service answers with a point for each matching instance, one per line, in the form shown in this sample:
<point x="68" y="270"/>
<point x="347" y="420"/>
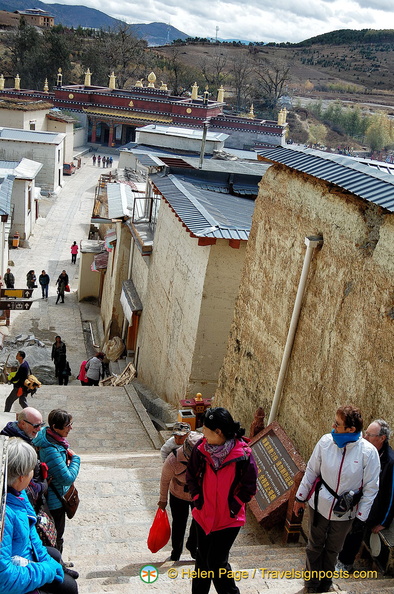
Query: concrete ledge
<point x="144" y="417"/>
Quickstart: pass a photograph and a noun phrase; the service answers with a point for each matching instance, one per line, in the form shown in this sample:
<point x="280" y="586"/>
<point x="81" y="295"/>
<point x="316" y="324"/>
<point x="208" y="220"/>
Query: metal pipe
<point x="311" y="243"/>
<point x="203" y="141"/>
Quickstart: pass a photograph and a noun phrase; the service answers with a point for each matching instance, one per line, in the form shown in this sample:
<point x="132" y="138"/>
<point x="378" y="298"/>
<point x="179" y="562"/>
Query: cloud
<point x="287" y="20"/>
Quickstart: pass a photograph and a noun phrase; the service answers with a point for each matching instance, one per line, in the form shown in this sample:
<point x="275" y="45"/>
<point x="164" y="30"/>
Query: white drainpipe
<point x="311" y="243"/>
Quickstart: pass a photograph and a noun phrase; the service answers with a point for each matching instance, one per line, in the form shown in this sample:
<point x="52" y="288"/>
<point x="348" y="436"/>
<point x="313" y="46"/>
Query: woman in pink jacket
<point x="221" y="477"/>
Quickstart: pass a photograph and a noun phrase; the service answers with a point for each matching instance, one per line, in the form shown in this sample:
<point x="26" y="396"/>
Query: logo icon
<point x="149" y="574"/>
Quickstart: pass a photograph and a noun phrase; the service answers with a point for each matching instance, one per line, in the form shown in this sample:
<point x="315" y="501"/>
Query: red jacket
<point x="219" y="496"/>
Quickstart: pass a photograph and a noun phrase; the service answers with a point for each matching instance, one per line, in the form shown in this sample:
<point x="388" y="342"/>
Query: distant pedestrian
<point x="19" y="390"/>
<point x="64" y="371"/>
<point x="82" y="374"/>
<point x="104" y="162"/>
<point x="9" y="279"/>
<point x="95" y="369"/>
<point x="94" y="159"/>
<point x="59" y="350"/>
<point x="110" y="161"/>
<point x="62" y="285"/>
<point x="98" y="161"/>
<point x="31" y="280"/>
<point x="74" y="252"/>
<point x="44" y="279"/>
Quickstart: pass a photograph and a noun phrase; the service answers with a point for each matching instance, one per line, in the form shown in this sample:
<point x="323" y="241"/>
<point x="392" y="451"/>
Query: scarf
<point x="219" y="453"/>
<point x="58" y="438"/>
<point x="342" y="439"/>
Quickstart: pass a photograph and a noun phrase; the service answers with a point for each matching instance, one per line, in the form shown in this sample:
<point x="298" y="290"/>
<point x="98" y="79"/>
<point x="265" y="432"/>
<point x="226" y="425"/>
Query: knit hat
<point x="181" y="429"/>
<point x="190" y="442"/>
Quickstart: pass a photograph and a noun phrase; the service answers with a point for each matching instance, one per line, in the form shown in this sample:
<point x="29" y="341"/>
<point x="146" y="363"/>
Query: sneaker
<point x="68" y="564"/>
<point x="342" y="567"/>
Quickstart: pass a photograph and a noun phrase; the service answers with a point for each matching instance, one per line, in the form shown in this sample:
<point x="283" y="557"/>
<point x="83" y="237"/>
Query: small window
<point x="32" y="124"/>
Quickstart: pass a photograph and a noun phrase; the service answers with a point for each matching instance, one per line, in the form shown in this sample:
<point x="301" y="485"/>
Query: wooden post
<point x="293" y="523"/>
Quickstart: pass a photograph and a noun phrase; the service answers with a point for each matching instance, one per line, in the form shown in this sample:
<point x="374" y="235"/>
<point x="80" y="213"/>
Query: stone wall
<point x="343" y="346"/>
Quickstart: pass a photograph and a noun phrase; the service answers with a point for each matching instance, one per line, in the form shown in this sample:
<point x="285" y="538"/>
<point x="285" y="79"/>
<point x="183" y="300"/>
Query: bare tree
<point x="213" y="68"/>
<point x="241" y="70"/>
<point x="271" y="80"/>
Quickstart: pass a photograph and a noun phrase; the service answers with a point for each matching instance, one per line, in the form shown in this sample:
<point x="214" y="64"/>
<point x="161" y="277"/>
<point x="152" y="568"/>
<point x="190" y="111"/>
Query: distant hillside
<point x="82" y="16"/>
<point x="157" y="33"/>
<point x="346" y="36"/>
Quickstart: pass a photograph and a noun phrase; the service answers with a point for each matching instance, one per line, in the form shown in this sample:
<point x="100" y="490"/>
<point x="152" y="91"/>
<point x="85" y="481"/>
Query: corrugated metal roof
<point x="120" y="201"/>
<point x="206" y="213"/>
<point x="345" y="172"/>
<point x="5" y="195"/>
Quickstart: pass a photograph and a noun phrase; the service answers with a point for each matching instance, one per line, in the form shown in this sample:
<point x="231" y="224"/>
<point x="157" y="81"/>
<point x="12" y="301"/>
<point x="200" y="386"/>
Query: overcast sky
<point x="253" y="20"/>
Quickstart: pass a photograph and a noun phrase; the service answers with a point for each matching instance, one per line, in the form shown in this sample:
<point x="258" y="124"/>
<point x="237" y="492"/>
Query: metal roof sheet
<point x="31" y="136"/>
<point x="120" y="201"/>
<point x="5" y="194"/>
<point x="358" y="178"/>
<point x="204" y="212"/>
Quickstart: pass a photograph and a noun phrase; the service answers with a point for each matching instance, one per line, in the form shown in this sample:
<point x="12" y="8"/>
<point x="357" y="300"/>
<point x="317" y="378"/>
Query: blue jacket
<point x="20" y="538"/>
<point x="55" y="456"/>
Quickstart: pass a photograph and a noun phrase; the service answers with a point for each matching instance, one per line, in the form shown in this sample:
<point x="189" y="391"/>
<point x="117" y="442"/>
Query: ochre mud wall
<point x="343" y="349"/>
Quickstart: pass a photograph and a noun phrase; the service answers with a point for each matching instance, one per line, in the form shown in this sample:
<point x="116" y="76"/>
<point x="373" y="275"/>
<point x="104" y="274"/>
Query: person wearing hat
<point x="179" y="433"/>
<point x="173" y="479"/>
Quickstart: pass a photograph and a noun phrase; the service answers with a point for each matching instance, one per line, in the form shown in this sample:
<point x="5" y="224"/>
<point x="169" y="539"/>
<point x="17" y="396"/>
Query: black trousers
<point x="68" y="586"/>
<point x="59" y="517"/>
<point x="13" y="396"/>
<point x="212" y="554"/>
<point x="180" y="513"/>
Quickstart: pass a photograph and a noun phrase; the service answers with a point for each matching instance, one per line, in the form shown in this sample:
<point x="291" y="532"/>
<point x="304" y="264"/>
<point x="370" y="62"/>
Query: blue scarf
<point x="342" y="439"/>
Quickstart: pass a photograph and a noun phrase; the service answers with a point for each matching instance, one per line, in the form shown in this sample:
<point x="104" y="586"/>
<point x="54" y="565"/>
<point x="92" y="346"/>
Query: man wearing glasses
<point x="27" y="427"/>
<point x="382" y="510"/>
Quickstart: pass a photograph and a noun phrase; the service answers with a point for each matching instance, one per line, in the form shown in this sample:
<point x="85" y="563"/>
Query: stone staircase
<point x="119" y="490"/>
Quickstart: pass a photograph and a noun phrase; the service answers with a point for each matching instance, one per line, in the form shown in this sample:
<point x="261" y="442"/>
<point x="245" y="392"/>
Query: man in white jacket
<point x="342" y="463"/>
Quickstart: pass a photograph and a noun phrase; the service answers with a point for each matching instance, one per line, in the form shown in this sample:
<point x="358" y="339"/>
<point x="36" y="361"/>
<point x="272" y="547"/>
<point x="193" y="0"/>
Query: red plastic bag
<point x="160" y="531"/>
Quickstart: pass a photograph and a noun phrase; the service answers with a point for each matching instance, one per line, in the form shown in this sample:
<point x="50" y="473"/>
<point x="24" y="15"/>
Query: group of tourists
<point x="105" y="161"/>
<point x="41" y="468"/>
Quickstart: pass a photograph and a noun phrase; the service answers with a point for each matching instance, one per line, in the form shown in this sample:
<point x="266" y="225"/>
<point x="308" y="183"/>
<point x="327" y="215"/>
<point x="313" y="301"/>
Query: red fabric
<point x="160" y="531"/>
<point x="215" y="514"/>
<point x="82" y="373"/>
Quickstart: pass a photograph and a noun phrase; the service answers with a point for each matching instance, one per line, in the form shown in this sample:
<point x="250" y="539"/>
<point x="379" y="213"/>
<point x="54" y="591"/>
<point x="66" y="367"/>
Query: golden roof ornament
<point x="88" y="78"/>
<point x="251" y="113"/>
<point x="163" y="86"/>
<point x="282" y="115"/>
<point x="59" y="80"/>
<point x="17" y="83"/>
<point x="194" y="91"/>
<point x="1" y="82"/>
<point x="112" y="80"/>
<point x="152" y="80"/>
<point x="46" y="88"/>
<point x="220" y="98"/>
<point x="139" y="83"/>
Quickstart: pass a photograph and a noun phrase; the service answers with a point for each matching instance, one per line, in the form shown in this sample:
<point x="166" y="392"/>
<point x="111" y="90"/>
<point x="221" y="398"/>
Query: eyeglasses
<point x="366" y="434"/>
<point x="67" y="426"/>
<point x="35" y="425"/>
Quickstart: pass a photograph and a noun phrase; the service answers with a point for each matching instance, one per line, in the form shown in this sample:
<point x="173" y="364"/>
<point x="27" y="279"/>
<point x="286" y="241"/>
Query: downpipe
<point x="311" y="244"/>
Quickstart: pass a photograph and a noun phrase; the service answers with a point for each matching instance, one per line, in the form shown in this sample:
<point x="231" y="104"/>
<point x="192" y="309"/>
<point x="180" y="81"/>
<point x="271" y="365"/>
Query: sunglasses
<point x="35" y="425"/>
